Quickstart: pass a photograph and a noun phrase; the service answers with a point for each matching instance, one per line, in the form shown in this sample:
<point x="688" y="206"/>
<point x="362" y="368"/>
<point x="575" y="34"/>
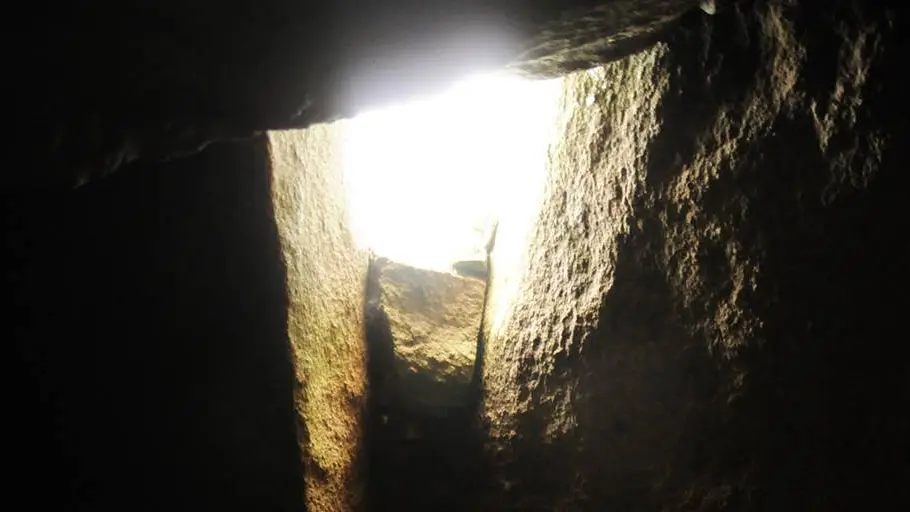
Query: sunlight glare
<point x="426" y="179"/>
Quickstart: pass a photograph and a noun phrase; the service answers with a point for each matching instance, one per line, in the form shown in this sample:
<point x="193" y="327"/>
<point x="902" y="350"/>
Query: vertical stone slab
<point x="702" y="316"/>
<point x="326" y="276"/>
<point x="562" y="388"/>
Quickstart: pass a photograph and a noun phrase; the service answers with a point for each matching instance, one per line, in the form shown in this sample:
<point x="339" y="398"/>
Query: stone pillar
<point x="326" y="281"/>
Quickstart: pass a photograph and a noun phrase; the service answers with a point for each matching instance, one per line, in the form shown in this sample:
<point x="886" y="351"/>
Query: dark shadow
<point x="151" y="367"/>
<point x="418" y="459"/>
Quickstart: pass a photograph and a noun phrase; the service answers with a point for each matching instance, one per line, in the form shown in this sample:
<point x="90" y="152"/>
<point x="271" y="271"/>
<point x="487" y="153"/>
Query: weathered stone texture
<point x="326" y="279"/>
<point x="580" y="39"/>
<point x="547" y="340"/>
<point x="702" y="321"/>
<point x="422" y="329"/>
<point x="433" y="319"/>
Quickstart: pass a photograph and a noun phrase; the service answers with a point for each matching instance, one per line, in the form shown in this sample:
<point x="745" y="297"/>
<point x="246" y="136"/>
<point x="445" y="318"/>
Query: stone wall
<point x="703" y="319"/>
<point x="326" y="281"/>
<point x="422" y="331"/>
<point x="709" y="317"/>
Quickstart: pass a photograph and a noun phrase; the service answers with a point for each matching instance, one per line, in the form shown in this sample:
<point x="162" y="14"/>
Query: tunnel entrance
<point x="427" y="184"/>
<point x="408" y="199"/>
<point x="426" y="180"/>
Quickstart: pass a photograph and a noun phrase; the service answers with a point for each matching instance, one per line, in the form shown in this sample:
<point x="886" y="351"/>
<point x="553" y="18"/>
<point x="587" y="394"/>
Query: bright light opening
<point x="425" y="180"/>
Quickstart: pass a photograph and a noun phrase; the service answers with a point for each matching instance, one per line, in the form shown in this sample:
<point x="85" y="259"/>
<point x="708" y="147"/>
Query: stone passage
<point x="422" y="331"/>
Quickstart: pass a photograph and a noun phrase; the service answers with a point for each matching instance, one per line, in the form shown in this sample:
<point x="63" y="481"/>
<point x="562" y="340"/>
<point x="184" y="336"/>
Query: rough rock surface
<point x="326" y="279"/>
<point x="433" y="320"/>
<point x="423" y="452"/>
<point x="707" y="320"/>
<point x="106" y="83"/>
<point x="728" y="337"/>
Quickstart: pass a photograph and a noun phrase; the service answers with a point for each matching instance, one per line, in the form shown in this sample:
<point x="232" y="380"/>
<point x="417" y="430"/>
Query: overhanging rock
<point x="433" y="320"/>
<point x="135" y="92"/>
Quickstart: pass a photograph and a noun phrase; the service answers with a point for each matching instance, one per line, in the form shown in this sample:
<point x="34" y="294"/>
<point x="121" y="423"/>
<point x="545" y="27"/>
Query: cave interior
<point x="701" y="311"/>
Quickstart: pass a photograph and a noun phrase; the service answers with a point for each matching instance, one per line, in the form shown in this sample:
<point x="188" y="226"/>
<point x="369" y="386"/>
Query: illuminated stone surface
<point x="709" y="318"/>
<point x="701" y="321"/>
<point x="326" y="276"/>
<point x="433" y="319"/>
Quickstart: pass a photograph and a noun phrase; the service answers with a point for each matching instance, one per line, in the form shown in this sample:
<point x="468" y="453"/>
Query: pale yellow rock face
<point x="433" y="321"/>
<point x="326" y="277"/>
<point x="554" y="371"/>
